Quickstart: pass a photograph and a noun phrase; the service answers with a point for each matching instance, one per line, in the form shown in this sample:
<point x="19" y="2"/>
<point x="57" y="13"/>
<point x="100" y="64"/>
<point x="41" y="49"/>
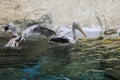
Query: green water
<point x="39" y="60"/>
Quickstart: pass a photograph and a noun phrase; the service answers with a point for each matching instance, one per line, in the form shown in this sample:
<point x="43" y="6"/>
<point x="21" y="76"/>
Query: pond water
<point x="39" y="60"/>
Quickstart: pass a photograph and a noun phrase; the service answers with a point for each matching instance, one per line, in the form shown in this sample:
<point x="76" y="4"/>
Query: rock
<point x="5" y="35"/>
<point x="84" y="12"/>
<point x="12" y="10"/>
<point x="43" y="20"/>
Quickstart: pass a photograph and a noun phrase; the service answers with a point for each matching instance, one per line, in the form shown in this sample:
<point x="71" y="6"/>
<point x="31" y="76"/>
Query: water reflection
<point x="27" y="54"/>
<point x="39" y="60"/>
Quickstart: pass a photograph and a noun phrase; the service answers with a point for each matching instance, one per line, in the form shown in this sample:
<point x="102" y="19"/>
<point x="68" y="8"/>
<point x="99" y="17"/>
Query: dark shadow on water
<point x="25" y="55"/>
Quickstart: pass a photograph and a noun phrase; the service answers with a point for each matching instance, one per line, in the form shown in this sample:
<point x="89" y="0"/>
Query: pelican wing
<point x="44" y="31"/>
<point x="38" y="30"/>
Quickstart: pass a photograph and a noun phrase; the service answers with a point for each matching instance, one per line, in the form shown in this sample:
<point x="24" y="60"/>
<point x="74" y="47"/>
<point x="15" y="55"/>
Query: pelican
<point x="66" y="35"/>
<point x="110" y="31"/>
<point x="34" y="29"/>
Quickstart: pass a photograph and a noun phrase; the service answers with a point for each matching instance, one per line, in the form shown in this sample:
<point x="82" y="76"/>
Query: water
<point x="39" y="60"/>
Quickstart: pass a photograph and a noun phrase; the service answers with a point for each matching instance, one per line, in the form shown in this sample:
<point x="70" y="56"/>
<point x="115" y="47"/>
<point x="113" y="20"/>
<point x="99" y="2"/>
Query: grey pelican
<point x="106" y="32"/>
<point x="34" y="29"/>
<point x="110" y="31"/>
<point x="66" y="35"/>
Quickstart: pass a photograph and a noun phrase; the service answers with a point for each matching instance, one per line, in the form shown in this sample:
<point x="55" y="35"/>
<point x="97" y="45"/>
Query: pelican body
<point x="65" y="35"/>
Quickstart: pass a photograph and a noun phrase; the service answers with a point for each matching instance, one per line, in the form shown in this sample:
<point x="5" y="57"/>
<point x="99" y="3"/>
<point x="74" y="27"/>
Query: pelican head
<point x="11" y="27"/>
<point x="76" y="26"/>
<point x="8" y="26"/>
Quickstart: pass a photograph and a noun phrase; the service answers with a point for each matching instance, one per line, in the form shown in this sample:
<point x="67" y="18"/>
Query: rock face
<point x="62" y="12"/>
<point x="11" y="10"/>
